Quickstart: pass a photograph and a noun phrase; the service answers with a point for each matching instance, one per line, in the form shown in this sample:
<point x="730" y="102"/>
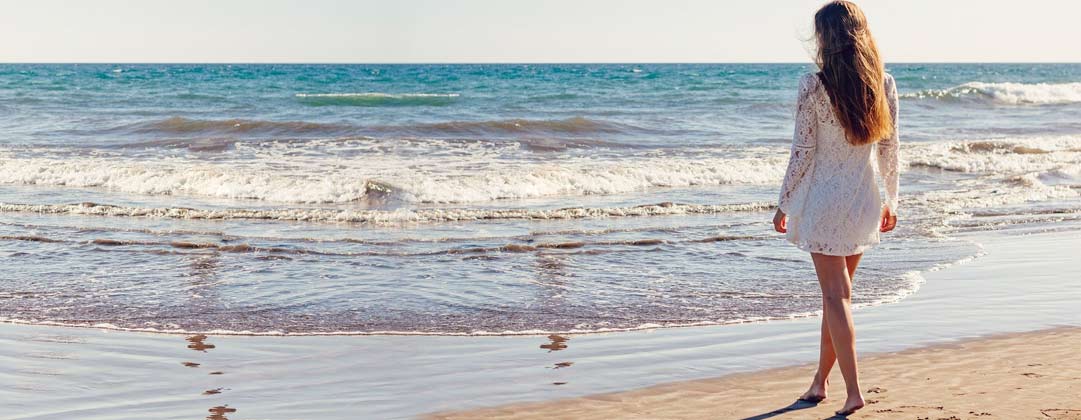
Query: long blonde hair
<point x="852" y="72"/>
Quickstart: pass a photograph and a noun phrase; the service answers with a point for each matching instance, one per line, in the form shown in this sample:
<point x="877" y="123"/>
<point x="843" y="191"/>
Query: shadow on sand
<point x="798" y="405"/>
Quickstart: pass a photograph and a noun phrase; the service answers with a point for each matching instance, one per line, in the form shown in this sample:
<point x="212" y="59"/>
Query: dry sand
<point x="1034" y="375"/>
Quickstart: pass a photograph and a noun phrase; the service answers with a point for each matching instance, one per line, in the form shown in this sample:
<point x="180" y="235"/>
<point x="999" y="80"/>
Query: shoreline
<point x="1021" y="284"/>
<point x="1034" y="374"/>
<point x="1022" y="300"/>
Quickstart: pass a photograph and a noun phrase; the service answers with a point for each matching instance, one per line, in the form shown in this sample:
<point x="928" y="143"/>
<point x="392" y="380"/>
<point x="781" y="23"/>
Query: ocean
<point x="480" y="199"/>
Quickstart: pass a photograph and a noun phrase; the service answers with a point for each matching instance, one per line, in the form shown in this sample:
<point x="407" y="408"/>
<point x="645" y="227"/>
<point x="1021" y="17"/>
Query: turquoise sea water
<point x="478" y="199"/>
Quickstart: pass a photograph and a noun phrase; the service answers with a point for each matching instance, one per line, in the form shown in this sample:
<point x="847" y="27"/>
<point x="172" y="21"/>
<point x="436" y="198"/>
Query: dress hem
<point x="858" y="249"/>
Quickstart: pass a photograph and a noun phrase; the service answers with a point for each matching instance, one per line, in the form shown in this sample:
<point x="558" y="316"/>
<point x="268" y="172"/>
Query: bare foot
<point x="854" y="403"/>
<point x="817" y="392"/>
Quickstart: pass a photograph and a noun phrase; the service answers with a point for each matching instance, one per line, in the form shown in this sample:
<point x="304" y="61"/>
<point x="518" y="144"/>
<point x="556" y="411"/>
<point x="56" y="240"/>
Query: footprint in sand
<point x="561" y="365"/>
<point x="1062" y="413"/>
<point x="217" y="372"/>
<point x="190" y="364"/>
<point x="939" y="407"/>
<point x="876" y="390"/>
<point x="213" y="391"/>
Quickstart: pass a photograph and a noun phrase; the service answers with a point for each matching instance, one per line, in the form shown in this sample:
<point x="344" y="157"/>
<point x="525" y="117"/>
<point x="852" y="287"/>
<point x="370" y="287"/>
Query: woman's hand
<point x="889" y="220"/>
<point x="780" y="222"/>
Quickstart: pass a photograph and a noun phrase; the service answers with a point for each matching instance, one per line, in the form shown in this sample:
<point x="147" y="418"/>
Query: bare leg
<point x="835" y="279"/>
<point x="827" y="356"/>
<point x="852" y="261"/>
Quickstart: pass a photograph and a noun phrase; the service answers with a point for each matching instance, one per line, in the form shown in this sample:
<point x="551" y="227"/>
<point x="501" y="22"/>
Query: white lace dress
<point x="829" y="193"/>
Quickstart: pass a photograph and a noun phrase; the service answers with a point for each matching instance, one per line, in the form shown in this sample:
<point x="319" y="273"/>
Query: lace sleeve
<point x="803" y="144"/>
<point x="889" y="151"/>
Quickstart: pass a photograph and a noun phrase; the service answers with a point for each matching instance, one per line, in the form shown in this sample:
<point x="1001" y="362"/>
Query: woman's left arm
<point x="889" y="152"/>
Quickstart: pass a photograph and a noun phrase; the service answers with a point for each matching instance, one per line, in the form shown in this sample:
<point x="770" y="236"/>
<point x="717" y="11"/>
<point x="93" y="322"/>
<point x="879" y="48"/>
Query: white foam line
<point x="385" y="217"/>
<point x="1008" y="93"/>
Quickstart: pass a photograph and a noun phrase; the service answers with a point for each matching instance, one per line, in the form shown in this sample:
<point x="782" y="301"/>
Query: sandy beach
<point x="1034" y="375"/>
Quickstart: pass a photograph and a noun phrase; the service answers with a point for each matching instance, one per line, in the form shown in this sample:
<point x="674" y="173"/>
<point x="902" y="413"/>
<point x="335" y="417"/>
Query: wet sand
<point x="1035" y="375"/>
<point x="1027" y="282"/>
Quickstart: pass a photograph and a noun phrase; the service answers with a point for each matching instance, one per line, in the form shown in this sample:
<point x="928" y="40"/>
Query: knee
<point x="836" y="296"/>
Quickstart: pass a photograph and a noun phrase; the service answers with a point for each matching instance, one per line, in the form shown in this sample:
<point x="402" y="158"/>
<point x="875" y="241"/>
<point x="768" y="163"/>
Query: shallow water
<point x="1025" y="281"/>
<point x="477" y="199"/>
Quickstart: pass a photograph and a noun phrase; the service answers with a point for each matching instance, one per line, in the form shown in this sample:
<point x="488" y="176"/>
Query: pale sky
<point x="521" y="30"/>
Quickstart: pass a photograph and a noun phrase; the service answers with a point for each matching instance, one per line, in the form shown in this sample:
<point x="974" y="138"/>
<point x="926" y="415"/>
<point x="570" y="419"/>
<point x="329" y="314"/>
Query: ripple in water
<point x="562" y="281"/>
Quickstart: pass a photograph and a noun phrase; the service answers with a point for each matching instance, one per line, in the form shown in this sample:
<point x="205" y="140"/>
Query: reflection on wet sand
<point x="558" y="342"/>
<point x="197" y="343"/>
<point x="51" y="355"/>
<point x="218" y="413"/>
<point x="63" y="339"/>
<point x="204" y="278"/>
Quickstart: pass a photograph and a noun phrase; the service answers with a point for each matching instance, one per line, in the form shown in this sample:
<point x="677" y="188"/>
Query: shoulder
<point x="890" y="83"/>
<point x="808" y="83"/>
<point x="809" y="80"/>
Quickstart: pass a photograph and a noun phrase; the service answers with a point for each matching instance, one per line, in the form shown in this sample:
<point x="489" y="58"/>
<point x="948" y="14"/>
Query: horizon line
<point x="508" y="62"/>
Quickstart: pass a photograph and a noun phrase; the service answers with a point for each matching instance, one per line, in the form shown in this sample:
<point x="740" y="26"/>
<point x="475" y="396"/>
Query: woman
<point x="830" y="204"/>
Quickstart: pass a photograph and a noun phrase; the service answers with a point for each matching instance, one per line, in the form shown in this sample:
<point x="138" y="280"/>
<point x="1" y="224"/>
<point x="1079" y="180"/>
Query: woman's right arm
<point x="804" y="141"/>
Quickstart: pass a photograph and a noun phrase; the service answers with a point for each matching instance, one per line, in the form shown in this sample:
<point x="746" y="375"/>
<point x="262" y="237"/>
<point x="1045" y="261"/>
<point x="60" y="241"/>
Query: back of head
<point x="852" y="72"/>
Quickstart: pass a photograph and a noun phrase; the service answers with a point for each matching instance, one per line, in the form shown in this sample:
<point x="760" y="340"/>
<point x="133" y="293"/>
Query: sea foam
<point x="1003" y="157"/>
<point x="336" y="181"/>
<point x="1007" y="93"/>
<point x="383" y="217"/>
<point x="479" y="177"/>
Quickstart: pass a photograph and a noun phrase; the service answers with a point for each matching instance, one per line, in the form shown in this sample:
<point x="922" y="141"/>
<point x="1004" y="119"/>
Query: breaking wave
<point x="1006" y="93"/>
<point x="333" y="182"/>
<point x="229" y="129"/>
<point x="473" y="178"/>
<point x="998" y="157"/>
<point x="376" y="99"/>
<point x="576" y="125"/>
<point x="181" y="126"/>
